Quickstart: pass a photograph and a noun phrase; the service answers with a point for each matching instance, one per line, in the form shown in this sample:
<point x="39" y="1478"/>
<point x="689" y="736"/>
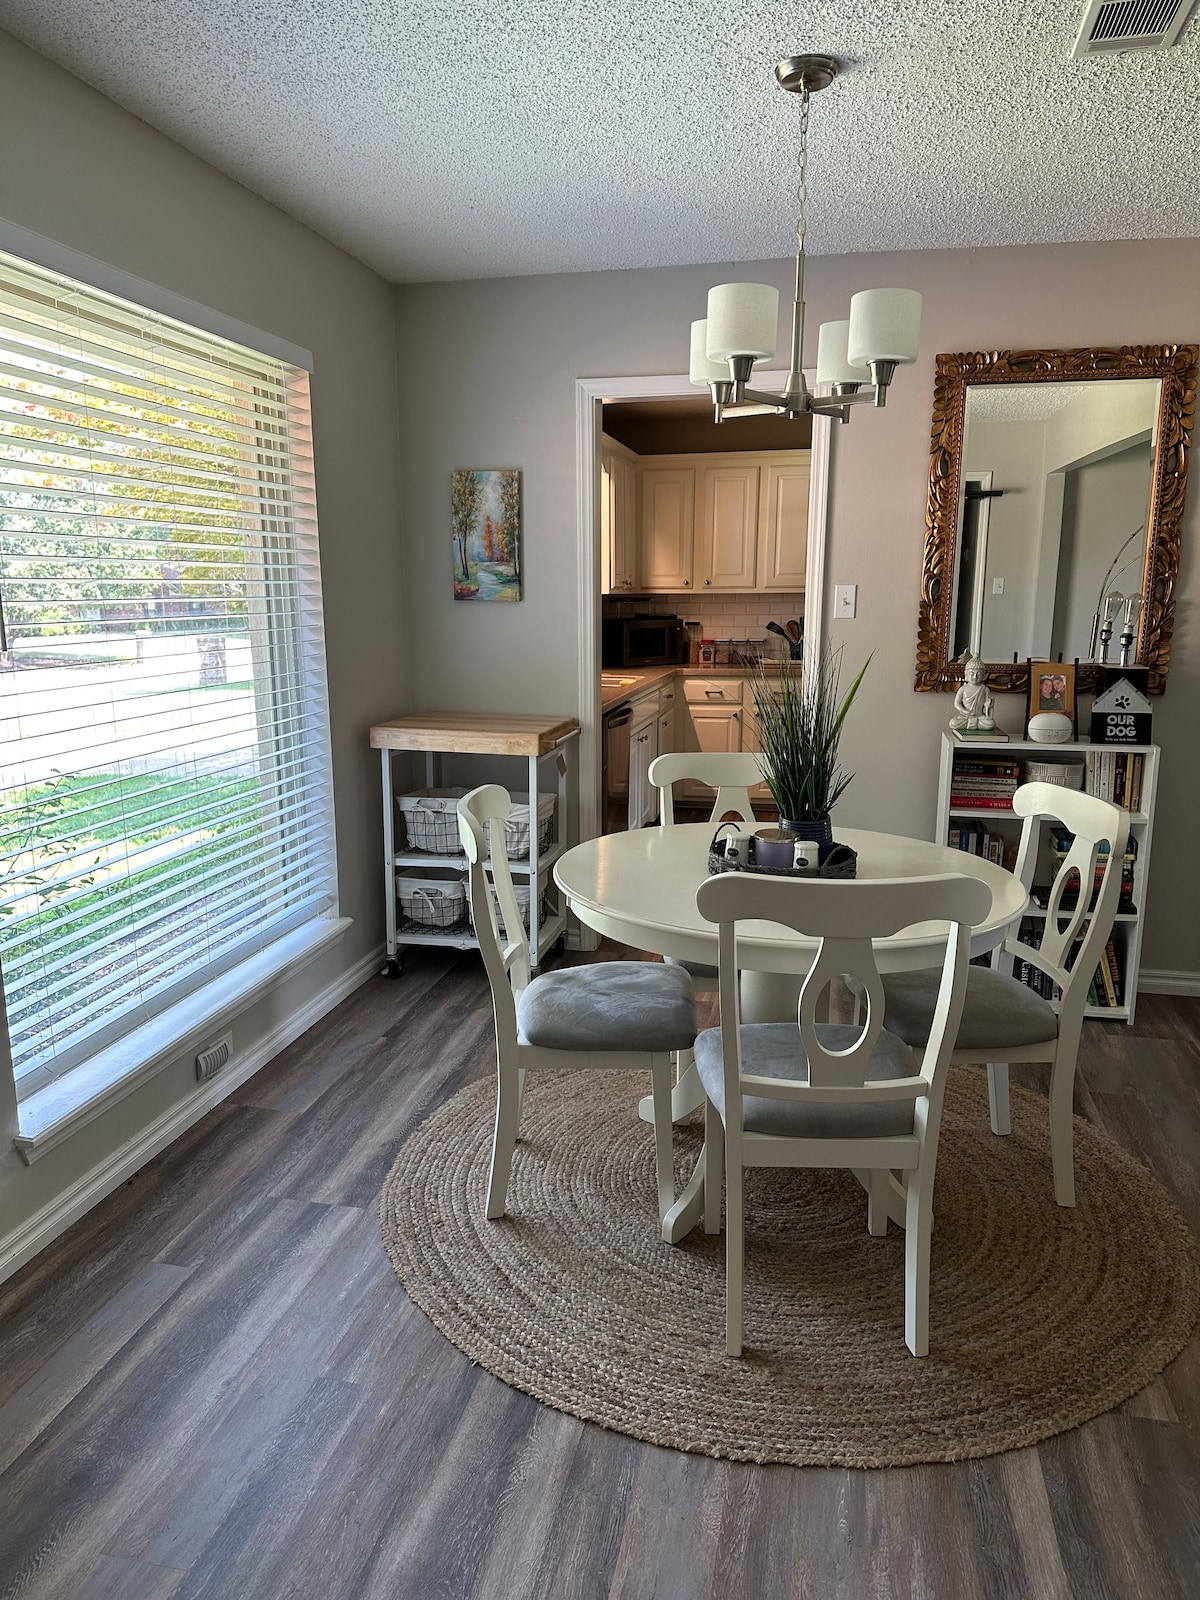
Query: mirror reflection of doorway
<point x="971" y="572"/>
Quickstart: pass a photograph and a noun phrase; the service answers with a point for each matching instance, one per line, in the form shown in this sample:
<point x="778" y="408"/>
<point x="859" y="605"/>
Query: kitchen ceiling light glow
<point x="880" y="335"/>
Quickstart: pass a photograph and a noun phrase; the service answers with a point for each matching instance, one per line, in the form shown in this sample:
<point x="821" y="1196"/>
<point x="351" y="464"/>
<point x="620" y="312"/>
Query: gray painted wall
<point x="1105" y="501"/>
<point x="82" y="171"/>
<point x="493" y="366"/>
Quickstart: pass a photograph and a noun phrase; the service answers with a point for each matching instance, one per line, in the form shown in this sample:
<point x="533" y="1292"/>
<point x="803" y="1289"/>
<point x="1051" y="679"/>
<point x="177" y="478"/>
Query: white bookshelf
<point x="1128" y="928"/>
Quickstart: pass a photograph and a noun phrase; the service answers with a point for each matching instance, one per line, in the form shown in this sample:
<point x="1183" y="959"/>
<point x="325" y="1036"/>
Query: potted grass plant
<point x="800" y="717"/>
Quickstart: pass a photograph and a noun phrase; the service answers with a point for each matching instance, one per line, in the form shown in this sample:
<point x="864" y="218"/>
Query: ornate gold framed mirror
<point x="1056" y="490"/>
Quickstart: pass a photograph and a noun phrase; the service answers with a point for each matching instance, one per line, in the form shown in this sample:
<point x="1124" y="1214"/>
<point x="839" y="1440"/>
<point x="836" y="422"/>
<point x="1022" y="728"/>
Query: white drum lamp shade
<point x="832" y="363"/>
<point x="742" y="321"/>
<point x="700" y="369"/>
<point x="885" y="325"/>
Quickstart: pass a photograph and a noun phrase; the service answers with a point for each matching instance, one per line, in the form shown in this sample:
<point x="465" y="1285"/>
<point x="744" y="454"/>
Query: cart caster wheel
<point x="391" y="969"/>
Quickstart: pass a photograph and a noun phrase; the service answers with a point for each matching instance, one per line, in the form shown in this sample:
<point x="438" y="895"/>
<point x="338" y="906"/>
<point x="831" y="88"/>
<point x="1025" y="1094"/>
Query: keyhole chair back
<point x="812" y="1094"/>
<point x="1003" y="1019"/>
<point x="614" y="1015"/>
<point x="732" y="773"/>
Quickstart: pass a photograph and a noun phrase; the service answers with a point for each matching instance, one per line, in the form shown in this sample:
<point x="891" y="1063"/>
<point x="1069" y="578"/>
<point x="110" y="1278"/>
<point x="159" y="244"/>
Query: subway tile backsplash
<point x="731" y="616"/>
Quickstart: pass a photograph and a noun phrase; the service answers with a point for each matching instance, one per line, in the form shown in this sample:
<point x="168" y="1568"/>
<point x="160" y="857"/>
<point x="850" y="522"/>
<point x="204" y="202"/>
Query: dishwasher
<point x="617" y="726"/>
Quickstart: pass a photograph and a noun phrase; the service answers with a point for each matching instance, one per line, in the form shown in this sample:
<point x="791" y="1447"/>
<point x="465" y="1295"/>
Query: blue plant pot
<point x="819" y="832"/>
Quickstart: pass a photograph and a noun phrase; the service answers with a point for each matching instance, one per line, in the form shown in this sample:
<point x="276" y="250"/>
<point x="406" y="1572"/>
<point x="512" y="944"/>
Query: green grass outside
<point x="106" y="808"/>
<point x="43" y="821"/>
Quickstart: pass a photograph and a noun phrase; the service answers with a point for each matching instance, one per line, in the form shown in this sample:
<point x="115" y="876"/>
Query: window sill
<point x="63" y="1107"/>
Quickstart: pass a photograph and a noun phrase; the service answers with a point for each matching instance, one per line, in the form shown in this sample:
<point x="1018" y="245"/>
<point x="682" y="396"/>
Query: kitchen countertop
<point x="648" y="677"/>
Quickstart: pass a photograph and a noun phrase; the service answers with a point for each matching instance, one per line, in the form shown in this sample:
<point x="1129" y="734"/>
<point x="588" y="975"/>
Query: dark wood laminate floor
<point x="214" y="1386"/>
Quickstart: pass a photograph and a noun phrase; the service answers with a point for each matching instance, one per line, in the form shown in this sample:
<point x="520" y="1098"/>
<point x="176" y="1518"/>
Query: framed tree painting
<point x="485" y="522"/>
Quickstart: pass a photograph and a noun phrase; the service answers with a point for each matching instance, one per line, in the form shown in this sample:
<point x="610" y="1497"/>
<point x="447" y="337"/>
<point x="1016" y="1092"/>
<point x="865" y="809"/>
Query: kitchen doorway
<point x="592" y="396"/>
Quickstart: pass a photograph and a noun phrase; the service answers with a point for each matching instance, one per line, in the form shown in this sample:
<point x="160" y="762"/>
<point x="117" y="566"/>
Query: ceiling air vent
<point x="1110" y="25"/>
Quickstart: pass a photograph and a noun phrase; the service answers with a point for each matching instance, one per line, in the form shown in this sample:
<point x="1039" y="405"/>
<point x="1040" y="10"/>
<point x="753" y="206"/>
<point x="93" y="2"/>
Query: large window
<point x="165" y="797"/>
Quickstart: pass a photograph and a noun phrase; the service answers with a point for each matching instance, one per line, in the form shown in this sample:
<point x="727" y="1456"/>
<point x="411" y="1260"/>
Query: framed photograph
<point x="1051" y="688"/>
<point x="485" y="528"/>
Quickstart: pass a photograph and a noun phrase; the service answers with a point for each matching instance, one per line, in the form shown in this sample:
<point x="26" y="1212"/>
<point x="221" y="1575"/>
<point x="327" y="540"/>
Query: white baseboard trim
<point x="1168" y="982"/>
<point x="41" y="1229"/>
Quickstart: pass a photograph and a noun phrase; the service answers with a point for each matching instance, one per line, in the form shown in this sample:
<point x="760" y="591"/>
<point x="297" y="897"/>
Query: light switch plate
<point x="845" y="599"/>
<point x="997" y="585"/>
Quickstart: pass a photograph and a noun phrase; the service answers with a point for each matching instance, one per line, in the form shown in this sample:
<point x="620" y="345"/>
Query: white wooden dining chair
<point x="1005" y="1020"/>
<point x="732" y="773"/>
<point x="810" y="1094"/>
<point x="615" y="1015"/>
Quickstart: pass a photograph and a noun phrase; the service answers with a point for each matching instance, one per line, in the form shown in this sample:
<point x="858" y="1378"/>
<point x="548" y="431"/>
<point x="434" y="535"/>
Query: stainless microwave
<point x="643" y="641"/>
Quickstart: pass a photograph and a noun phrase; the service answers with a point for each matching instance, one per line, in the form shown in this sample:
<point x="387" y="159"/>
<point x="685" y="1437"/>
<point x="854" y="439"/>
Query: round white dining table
<point x="640" y="889"/>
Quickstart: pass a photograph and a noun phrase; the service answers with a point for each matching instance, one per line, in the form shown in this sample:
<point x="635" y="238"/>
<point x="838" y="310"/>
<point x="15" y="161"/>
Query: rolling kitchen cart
<point x="427" y="910"/>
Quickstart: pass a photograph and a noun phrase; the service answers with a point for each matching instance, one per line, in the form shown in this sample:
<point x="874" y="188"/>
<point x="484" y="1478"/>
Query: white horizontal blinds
<point x="165" y="793"/>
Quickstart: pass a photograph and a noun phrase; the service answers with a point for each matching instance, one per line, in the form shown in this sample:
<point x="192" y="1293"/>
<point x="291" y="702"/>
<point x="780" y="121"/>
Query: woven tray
<point x="841" y="863"/>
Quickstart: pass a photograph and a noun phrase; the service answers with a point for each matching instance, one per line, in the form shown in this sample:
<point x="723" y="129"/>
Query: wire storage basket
<point x="431" y="905"/>
<point x="516" y="829"/>
<point x="521" y="890"/>
<point x="1068" y="774"/>
<point x="429" y="818"/>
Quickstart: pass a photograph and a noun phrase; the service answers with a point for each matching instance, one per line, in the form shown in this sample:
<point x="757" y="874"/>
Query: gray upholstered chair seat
<point x="775" y="1050"/>
<point x="613" y="1005"/>
<point x="998" y="1013"/>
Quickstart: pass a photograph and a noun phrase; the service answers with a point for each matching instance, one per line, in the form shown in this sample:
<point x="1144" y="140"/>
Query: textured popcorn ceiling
<point x="1029" y="402"/>
<point x="444" y="139"/>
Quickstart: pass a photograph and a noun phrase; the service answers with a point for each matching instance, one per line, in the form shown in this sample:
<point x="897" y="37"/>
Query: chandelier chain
<point x="802" y="164"/>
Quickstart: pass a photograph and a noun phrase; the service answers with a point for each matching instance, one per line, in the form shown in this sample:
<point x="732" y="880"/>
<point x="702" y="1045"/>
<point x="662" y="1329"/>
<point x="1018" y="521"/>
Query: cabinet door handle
<point x="687" y="583"/>
<point x="707" y="582"/>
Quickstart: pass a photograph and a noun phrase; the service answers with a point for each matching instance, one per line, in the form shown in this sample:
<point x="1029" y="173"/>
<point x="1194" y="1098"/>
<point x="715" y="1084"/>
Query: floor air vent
<point x="1111" y="25"/>
<point x="214" y="1058"/>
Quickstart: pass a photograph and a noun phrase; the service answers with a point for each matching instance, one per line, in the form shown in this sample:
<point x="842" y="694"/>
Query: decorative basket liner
<point x="429" y="818"/>
<point x="516" y="829"/>
<point x="842" y="862"/>
<point x="432" y="903"/>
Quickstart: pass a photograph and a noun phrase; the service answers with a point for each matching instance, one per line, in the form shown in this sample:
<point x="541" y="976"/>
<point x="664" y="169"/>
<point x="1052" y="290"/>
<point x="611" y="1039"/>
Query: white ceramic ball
<point x="1050" y="727"/>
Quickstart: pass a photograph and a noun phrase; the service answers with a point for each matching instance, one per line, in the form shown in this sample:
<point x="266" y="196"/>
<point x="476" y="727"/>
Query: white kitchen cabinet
<point x="666" y="529"/>
<point x="618" y="519"/>
<point x="713" y="723"/>
<point x="643" y="747"/>
<point x="750" y="734"/>
<point x="727" y="548"/>
<point x="666" y="732"/>
<point x="783" y="523"/>
<point x="735" y="523"/>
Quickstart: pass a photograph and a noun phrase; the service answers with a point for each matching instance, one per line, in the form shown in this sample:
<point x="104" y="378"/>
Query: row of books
<point x="976" y="841"/>
<point x="984" y="782"/>
<point x="1106" y="990"/>
<point x="1061" y="841"/>
<point x="1116" y="775"/>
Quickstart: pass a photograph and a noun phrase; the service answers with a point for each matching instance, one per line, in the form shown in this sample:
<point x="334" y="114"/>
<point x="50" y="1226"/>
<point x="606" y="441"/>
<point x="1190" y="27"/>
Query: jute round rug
<point x="1039" y="1318"/>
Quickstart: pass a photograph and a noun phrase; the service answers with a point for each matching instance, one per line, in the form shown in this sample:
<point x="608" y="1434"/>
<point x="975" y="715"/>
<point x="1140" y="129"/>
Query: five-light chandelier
<point x="879" y="335"/>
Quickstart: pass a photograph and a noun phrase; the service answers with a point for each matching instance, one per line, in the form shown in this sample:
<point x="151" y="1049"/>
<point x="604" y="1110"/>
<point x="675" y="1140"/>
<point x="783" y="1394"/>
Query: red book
<point x="982" y="802"/>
